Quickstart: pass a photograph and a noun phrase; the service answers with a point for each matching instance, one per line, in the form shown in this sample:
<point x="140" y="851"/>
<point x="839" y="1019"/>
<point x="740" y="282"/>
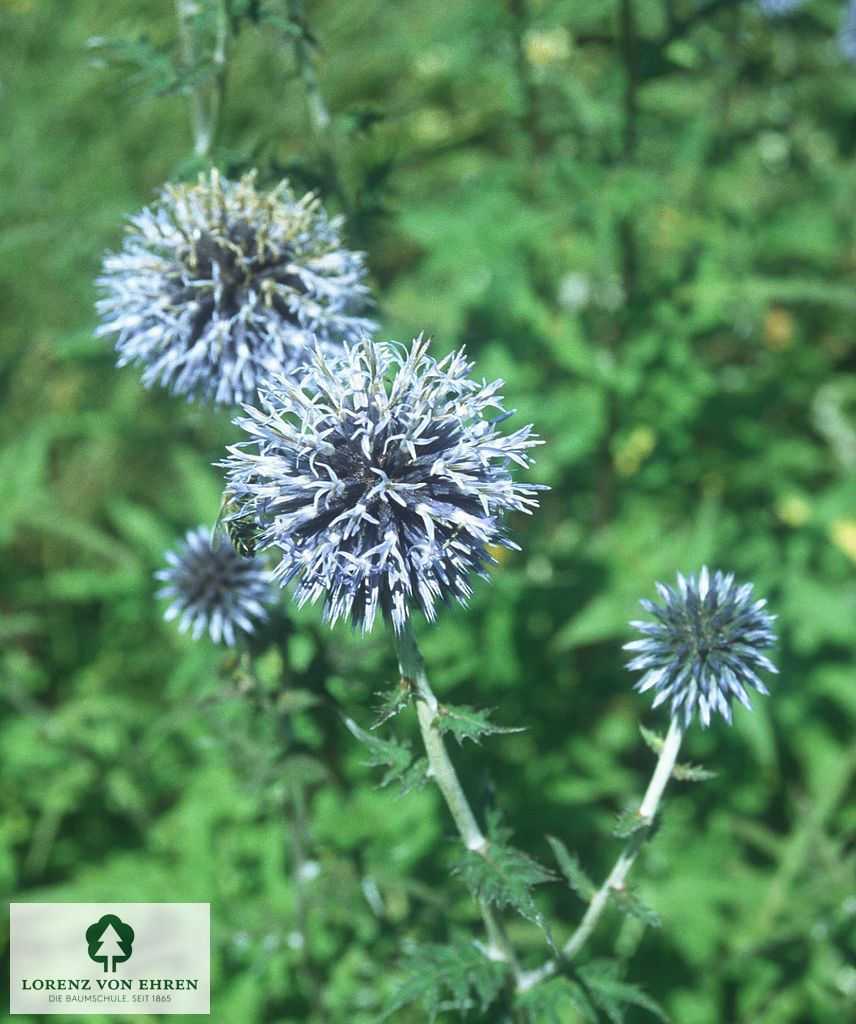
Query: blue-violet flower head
<point x="211" y="587"/>
<point x="380" y="478"/>
<point x="704" y="645"/>
<point x="219" y="285"/>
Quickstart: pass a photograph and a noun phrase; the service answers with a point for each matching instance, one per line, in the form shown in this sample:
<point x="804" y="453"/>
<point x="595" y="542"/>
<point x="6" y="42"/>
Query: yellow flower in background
<point x="629" y="457"/>
<point x="778" y="329"/>
<point x="497" y="553"/>
<point x="547" y="46"/>
<point x="433" y="125"/>
<point x="793" y="510"/>
<point x="670" y="229"/>
<point x="842" y="533"/>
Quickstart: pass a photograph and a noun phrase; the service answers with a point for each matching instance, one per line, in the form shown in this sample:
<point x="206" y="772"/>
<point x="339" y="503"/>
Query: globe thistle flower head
<point x="212" y="588"/>
<point x="381" y="479"/>
<point x="219" y="285"/>
<point x="703" y="647"/>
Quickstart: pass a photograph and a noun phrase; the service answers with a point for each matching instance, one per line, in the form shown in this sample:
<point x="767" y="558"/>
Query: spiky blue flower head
<point x="211" y="587"/>
<point x="219" y="285"/>
<point x="701" y="651"/>
<point x="381" y="478"/>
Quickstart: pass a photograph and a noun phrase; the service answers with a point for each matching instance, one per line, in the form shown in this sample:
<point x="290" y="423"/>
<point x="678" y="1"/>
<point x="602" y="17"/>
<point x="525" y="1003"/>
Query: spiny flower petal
<point x="211" y="587"/>
<point x="219" y="285"/>
<point x="380" y="478"/>
<point x="702" y="650"/>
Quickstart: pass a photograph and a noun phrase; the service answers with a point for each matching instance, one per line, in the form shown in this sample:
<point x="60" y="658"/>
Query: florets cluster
<point x="380" y="479"/>
<point x="219" y="285"/>
<point x="211" y="587"/>
<point x="702" y="649"/>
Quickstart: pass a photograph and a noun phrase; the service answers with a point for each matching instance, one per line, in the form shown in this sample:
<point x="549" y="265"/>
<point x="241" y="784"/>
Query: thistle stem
<point x="205" y="105"/>
<point x="319" y="115"/>
<point x="412" y="668"/>
<point x="200" y="121"/>
<point x="615" y="880"/>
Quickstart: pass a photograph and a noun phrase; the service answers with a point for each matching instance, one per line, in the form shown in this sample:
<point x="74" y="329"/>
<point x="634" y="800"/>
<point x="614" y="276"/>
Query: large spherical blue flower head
<point x="219" y="285"/>
<point x="381" y="478"/>
<point x="703" y="647"/>
<point x="212" y="588"/>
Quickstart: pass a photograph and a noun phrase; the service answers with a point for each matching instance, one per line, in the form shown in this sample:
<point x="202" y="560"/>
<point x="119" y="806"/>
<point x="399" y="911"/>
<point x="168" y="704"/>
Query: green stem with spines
<point x="205" y="104"/>
<point x="615" y="880"/>
<point x="442" y="771"/>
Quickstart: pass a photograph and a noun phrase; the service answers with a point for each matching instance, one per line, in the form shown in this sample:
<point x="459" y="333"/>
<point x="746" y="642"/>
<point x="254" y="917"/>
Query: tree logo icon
<point x="110" y="941"/>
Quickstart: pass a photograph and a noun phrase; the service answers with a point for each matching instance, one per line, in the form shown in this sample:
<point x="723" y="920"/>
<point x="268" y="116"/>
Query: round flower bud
<point x="703" y="647"/>
<point x="212" y="588"/>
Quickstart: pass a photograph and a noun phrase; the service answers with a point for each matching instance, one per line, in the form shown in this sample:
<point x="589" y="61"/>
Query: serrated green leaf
<point x="396" y="757"/>
<point x="631" y="904"/>
<point x="143" y="61"/>
<point x="692" y="773"/>
<point x="681" y="772"/>
<point x="577" y="879"/>
<point x="467" y="723"/>
<point x="285" y="26"/>
<point x="602" y="980"/>
<point x="413" y="778"/>
<point x="392" y="703"/>
<point x="456" y="976"/>
<point x="629" y="822"/>
<point x="653" y="739"/>
<point x="504" y="876"/>
<point x="550" y="1001"/>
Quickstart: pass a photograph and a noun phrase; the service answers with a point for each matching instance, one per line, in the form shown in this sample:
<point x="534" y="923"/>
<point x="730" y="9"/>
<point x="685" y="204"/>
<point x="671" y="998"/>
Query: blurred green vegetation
<point x="640" y="214"/>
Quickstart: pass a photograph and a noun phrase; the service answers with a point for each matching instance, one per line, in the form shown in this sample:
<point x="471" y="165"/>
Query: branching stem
<point x="319" y="115"/>
<point x="205" y="103"/>
<point x="616" y="878"/>
<point x="412" y="668"/>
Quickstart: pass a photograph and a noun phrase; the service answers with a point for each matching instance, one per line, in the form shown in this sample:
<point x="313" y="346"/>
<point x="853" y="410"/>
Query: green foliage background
<point x="640" y="214"/>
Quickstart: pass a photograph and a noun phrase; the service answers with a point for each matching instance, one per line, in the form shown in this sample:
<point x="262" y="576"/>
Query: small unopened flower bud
<point x="212" y="588"/>
<point x="703" y="647"/>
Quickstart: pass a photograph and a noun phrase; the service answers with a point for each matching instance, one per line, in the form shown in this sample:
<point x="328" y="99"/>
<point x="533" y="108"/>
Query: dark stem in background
<point x="531" y="120"/>
<point x="221" y="67"/>
<point x="605" y="487"/>
<point x="319" y="115"/>
<point x="629" y="138"/>
<point x="301" y="839"/>
<point x="294" y="805"/>
<point x="206" y="102"/>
